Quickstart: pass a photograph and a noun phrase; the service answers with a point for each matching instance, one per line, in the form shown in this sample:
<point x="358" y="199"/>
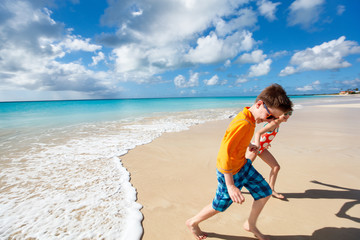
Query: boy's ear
<point x="258" y="103"/>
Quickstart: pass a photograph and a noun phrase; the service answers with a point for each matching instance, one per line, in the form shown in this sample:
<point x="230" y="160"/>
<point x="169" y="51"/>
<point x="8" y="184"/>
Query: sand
<point x="318" y="150"/>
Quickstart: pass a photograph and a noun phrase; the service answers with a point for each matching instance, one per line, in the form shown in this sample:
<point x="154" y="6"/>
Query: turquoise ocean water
<point x="61" y="173"/>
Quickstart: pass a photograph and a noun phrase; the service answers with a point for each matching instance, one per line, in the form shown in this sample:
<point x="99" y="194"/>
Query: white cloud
<point x="180" y="81"/>
<point x="129" y="58"/>
<point x="211" y="49"/>
<point x="255" y="56"/>
<point x="194" y="79"/>
<point x="75" y="43"/>
<point x="214" y="80"/>
<point x="305" y="12"/>
<point x="328" y="55"/>
<point x="245" y="18"/>
<point x="279" y="54"/>
<point x="98" y="58"/>
<point x="165" y="32"/>
<point x="241" y="80"/>
<point x="287" y="71"/>
<point x="227" y="63"/>
<point x="351" y="83"/>
<point x="35" y="45"/>
<point x="260" y="69"/>
<point x="151" y="37"/>
<point x="208" y="50"/>
<point x="162" y="22"/>
<point x="138" y="12"/>
<point x="305" y="88"/>
<point x="340" y="10"/>
<point x="267" y="9"/>
<point x="313" y="86"/>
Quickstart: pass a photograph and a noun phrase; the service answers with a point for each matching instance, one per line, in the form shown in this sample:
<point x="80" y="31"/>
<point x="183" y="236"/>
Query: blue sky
<point x="77" y="49"/>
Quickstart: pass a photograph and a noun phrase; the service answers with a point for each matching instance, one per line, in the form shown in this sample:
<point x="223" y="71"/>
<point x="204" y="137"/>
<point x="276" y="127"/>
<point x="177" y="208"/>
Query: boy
<point x="235" y="171"/>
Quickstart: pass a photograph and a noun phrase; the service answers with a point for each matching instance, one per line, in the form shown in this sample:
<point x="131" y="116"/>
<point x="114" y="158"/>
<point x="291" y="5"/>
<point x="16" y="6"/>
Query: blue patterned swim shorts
<point x="249" y="177"/>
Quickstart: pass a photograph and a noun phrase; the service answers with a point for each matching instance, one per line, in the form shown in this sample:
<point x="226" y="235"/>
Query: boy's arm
<point x="234" y="192"/>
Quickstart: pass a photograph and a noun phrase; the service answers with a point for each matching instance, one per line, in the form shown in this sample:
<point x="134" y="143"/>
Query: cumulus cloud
<point x="262" y="66"/>
<point x="355" y="83"/>
<point x="150" y="38"/>
<point x="260" y="69"/>
<point x="245" y="18"/>
<point x="162" y="37"/>
<point x="241" y="80"/>
<point x="214" y="80"/>
<point x="163" y="21"/>
<point x="268" y="9"/>
<point x="279" y="54"/>
<point x="287" y="71"/>
<point x="340" y="9"/>
<point x="313" y="86"/>
<point x="181" y="82"/>
<point x="128" y="57"/>
<point x="329" y="55"/>
<point x="305" y="12"/>
<point x="32" y="49"/>
<point x="255" y="56"/>
<point x="212" y="49"/>
<point x="227" y="63"/>
<point x="98" y="58"/>
<point x="76" y="43"/>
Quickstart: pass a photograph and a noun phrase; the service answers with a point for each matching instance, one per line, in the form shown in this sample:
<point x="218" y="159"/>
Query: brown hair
<point x="274" y="96"/>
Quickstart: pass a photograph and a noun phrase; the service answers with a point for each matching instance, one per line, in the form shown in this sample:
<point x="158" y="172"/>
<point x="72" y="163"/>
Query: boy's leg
<point x="250" y="224"/>
<point x="193" y="223"/>
<point x="261" y="192"/>
<point x="220" y="203"/>
<point x="267" y="157"/>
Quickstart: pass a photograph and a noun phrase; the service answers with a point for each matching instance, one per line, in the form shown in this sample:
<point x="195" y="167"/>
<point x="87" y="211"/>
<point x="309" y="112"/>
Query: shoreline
<point x="175" y="177"/>
<point x="106" y="99"/>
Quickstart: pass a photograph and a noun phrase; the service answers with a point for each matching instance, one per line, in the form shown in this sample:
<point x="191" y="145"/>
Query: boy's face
<point x="267" y="114"/>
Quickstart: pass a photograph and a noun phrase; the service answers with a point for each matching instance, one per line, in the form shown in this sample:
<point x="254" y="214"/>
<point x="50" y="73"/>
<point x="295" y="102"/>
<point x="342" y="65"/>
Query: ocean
<point x="61" y="173"/>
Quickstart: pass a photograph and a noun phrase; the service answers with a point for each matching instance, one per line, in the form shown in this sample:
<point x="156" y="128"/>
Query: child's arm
<point x="269" y="127"/>
<point x="234" y="192"/>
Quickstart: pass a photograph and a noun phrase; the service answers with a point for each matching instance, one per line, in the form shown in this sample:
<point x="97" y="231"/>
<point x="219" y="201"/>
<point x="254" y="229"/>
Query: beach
<point x="175" y="177"/>
<point x="138" y="168"/>
<point x="61" y="175"/>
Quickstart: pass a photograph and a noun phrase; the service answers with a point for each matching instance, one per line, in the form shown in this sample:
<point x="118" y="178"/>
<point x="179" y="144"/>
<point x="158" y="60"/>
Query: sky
<point x="97" y="49"/>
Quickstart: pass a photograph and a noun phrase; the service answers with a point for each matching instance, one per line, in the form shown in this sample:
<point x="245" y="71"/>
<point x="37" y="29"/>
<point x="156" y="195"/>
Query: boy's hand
<point x="253" y="148"/>
<point x="268" y="146"/>
<point x="235" y="194"/>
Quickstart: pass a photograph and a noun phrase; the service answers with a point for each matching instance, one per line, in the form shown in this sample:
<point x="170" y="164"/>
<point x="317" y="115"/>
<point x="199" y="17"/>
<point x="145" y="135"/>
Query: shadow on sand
<point x="343" y="193"/>
<point x="328" y="233"/>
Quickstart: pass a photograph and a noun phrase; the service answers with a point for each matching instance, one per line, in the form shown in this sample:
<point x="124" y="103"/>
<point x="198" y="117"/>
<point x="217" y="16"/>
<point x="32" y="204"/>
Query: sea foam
<point x="69" y="183"/>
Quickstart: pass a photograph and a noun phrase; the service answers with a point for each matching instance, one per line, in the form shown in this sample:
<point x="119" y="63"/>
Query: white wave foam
<point x="298" y="106"/>
<point x="71" y="184"/>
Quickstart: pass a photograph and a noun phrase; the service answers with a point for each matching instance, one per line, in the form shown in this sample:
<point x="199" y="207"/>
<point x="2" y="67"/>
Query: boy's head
<point x="271" y="103"/>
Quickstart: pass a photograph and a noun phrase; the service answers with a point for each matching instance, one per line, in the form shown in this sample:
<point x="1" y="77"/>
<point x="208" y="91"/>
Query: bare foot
<point x="277" y="195"/>
<point x="255" y="231"/>
<point x="195" y="230"/>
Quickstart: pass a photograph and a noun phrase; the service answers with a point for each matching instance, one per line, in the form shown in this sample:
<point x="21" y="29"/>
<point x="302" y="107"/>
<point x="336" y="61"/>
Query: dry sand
<point x="318" y="150"/>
